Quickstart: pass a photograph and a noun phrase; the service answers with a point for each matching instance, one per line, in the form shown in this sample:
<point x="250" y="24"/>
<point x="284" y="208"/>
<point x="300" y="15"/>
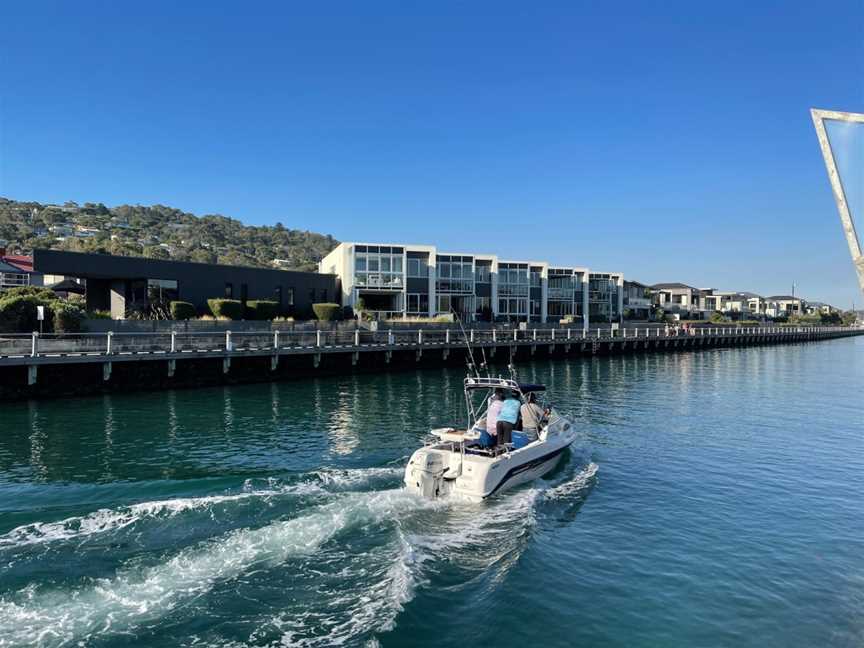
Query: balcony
<point x="378" y="280"/>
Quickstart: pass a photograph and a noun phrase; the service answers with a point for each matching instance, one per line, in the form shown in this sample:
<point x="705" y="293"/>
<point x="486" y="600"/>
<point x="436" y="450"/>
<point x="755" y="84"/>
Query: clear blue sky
<point x="671" y="141"/>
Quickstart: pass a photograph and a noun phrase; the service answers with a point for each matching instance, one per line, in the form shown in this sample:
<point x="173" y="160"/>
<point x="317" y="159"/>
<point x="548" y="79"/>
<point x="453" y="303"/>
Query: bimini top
<point x="488" y="382"/>
<point x="529" y="387"/>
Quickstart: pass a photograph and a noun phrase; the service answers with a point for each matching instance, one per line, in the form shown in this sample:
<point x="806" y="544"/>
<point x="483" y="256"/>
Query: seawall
<point x="33" y="366"/>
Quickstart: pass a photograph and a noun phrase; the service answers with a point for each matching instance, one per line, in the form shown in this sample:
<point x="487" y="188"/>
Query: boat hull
<point x="446" y="469"/>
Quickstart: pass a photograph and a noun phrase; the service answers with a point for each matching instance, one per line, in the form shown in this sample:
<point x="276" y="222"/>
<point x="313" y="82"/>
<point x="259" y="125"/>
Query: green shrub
<point x="226" y="308"/>
<point x="263" y="309"/>
<point x="326" y="312"/>
<point x="40" y="292"/>
<point x="67" y="318"/>
<point x="18" y="313"/>
<point x="98" y="314"/>
<point x="181" y="310"/>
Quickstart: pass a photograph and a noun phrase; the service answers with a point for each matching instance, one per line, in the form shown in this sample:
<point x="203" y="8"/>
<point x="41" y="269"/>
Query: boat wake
<point x="341" y="567"/>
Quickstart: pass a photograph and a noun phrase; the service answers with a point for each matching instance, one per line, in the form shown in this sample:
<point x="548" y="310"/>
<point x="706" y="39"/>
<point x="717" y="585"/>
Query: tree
<point x="156" y="252"/>
<point x="849" y="318"/>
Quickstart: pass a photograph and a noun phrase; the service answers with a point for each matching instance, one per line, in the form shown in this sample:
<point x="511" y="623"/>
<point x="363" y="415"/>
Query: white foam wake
<point x="107" y="520"/>
<point x="135" y="597"/>
<point x="577" y="483"/>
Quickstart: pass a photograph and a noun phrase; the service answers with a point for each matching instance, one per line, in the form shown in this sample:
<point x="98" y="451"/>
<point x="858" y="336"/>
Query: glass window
<point x="229" y="290"/>
<point x="373" y="264"/>
<point x="417" y="268"/>
<point x="397" y="264"/>
<point x="290" y="296"/>
<point x="385" y="264"/>
<point x="360" y="263"/>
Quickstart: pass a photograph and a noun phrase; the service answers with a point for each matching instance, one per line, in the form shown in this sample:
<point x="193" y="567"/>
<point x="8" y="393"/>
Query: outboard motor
<point x="424" y="474"/>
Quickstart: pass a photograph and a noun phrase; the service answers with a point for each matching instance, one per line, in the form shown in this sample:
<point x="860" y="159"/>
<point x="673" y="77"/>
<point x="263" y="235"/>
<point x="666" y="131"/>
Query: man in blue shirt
<point x="507" y="418"/>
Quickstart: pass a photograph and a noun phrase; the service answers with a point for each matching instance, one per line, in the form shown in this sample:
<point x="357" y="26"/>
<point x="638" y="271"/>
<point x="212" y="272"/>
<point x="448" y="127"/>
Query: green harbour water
<point x="712" y="498"/>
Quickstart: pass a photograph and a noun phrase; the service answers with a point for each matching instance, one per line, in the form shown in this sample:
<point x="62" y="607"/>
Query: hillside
<point x="157" y="231"/>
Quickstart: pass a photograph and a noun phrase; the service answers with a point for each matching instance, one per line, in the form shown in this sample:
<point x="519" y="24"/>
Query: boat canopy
<point x="488" y="382"/>
<point x="526" y="388"/>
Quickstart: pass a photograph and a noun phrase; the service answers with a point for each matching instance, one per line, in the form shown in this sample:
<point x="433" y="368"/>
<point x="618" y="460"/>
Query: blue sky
<point x="671" y="141"/>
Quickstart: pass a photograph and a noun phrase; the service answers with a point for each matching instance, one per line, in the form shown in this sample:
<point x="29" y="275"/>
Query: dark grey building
<point x="126" y="284"/>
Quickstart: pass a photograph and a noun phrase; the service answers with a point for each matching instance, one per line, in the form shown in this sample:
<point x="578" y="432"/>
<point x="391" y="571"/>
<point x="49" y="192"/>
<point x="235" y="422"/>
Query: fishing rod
<point x="472" y="364"/>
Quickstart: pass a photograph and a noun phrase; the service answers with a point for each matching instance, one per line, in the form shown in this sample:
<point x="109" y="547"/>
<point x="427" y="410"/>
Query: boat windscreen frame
<point x="472" y="384"/>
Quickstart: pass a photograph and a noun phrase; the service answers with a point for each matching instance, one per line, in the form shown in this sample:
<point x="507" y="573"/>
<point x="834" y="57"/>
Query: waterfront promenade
<point x="46" y="365"/>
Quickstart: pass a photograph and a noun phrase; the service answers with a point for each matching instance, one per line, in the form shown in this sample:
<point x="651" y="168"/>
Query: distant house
<point x="86" y="232"/>
<point x="637" y="299"/>
<point x="62" y="230"/>
<point x="676" y="298"/>
<point x="17" y="270"/>
<point x="784" y="306"/>
<point x="814" y="308"/>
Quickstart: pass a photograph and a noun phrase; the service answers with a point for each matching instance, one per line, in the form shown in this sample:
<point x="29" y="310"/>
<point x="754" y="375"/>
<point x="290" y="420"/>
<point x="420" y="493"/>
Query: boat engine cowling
<point x="424" y="474"/>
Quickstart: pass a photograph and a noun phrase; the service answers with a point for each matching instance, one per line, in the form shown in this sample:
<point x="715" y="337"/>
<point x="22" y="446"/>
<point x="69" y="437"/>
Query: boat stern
<point x="426" y="470"/>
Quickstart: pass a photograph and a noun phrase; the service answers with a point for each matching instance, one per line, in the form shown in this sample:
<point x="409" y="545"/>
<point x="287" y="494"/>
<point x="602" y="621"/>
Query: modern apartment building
<point x="637" y="300"/>
<point x="605" y="296"/>
<point x="400" y="280"/>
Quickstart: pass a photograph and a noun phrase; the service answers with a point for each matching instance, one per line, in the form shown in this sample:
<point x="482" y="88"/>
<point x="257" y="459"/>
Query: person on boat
<point x="532" y="417"/>
<point x="507" y="417"/>
<point x="490" y="437"/>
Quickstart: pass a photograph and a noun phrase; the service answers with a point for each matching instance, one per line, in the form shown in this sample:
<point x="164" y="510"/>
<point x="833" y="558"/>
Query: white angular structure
<point x="841" y="137"/>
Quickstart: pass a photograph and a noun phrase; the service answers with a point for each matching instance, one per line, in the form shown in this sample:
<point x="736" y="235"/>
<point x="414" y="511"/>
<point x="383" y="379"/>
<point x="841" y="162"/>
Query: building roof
<point x="8" y="267"/>
<point x="23" y="263"/>
<point x="671" y="286"/>
<point x="784" y="297"/>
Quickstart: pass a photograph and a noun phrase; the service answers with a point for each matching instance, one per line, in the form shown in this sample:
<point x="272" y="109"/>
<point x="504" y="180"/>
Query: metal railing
<point x="181" y="342"/>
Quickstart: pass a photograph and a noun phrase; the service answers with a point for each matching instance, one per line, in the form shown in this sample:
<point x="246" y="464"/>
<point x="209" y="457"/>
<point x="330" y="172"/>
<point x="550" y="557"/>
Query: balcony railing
<point x="378" y="280"/>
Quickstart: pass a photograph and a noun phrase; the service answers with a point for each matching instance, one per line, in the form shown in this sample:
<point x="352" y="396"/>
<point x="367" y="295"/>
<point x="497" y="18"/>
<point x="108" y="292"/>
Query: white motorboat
<point x="455" y="464"/>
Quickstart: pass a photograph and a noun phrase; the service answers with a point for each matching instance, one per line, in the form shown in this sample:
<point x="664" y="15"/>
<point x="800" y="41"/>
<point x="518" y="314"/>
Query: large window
<point x="454" y="274"/>
<point x="513" y="307"/>
<point x="418" y="303"/>
<point x="483" y="308"/>
<point x="418" y="268"/>
<point x="378" y="266"/>
<point x="162" y="291"/>
<point x="513" y="280"/>
<point x="483" y="274"/>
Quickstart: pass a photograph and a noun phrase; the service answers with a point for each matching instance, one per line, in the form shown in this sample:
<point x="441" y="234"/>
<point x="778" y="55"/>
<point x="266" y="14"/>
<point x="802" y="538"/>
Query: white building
<point x="400" y="280"/>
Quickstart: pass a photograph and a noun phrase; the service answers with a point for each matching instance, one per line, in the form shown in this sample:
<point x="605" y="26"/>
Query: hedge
<point x="67" y="318"/>
<point x="18" y="313"/>
<point x="228" y="308"/>
<point x="262" y="309"/>
<point x="326" y="312"/>
<point x="181" y="310"/>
